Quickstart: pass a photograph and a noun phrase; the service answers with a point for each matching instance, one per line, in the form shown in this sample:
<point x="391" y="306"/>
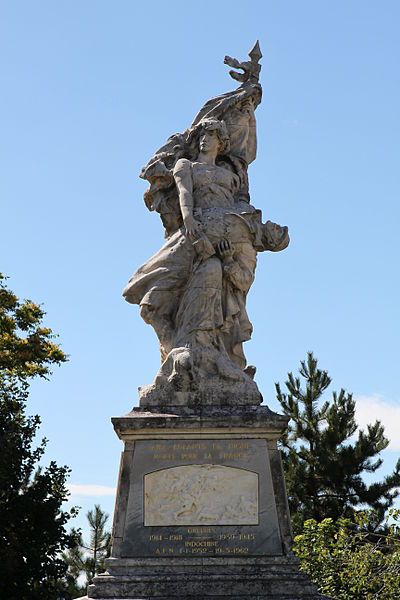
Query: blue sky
<point x="91" y="89"/>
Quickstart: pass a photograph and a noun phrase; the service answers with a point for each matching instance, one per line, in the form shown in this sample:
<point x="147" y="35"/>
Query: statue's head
<point x="209" y="135"/>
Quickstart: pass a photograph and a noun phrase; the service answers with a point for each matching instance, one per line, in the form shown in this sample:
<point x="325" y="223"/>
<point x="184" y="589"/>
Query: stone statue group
<point x="193" y="290"/>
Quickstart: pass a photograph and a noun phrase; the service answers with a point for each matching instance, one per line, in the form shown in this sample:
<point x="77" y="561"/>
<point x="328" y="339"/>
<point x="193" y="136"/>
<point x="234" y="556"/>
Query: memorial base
<point x="201" y="509"/>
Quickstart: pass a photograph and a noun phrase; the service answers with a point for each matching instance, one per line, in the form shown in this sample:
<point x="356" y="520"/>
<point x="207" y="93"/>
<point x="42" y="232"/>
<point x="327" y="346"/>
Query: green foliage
<point x="32" y="524"/>
<point x="347" y="562"/>
<point x="324" y="455"/>
<point x="74" y="561"/>
<point x="100" y="540"/>
<point x="88" y="558"/>
<point x="26" y="347"/>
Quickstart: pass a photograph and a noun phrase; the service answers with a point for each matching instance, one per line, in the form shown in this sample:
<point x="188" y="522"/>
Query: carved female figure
<point x="213" y="304"/>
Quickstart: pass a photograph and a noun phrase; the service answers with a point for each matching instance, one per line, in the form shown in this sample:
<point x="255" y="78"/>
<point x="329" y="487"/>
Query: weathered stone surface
<point x="193" y="290"/>
<point x="183" y="420"/>
<point x="245" y="579"/>
<point x="239" y="438"/>
<point x="212" y="529"/>
<point x="250" y="561"/>
<point x="206" y="494"/>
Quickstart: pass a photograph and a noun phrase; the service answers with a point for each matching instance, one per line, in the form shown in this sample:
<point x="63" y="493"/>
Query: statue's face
<point x="209" y="141"/>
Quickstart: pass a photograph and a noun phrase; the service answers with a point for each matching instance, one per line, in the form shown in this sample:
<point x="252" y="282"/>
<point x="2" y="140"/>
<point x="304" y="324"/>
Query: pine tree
<point x="74" y="561"/>
<point x="324" y="464"/>
<point x="100" y="540"/>
<point x="88" y="558"/>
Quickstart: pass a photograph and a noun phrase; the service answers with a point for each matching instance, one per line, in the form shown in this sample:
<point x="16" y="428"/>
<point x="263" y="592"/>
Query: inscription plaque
<point x="207" y="497"/>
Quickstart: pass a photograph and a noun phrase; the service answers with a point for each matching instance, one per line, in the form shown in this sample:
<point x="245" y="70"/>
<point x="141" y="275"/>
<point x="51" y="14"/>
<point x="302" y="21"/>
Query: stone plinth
<point x="201" y="509"/>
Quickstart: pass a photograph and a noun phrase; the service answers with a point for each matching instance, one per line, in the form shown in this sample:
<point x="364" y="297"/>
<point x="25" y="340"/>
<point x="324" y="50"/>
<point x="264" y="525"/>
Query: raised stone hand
<point x="251" y="68"/>
<point x="232" y="62"/>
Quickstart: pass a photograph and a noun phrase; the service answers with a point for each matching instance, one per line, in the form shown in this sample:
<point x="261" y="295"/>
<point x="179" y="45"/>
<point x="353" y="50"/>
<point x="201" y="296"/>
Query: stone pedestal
<point x="201" y="509"/>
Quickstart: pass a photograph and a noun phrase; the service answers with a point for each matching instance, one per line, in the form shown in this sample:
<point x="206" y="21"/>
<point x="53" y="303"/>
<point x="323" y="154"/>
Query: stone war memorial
<point x="201" y="508"/>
